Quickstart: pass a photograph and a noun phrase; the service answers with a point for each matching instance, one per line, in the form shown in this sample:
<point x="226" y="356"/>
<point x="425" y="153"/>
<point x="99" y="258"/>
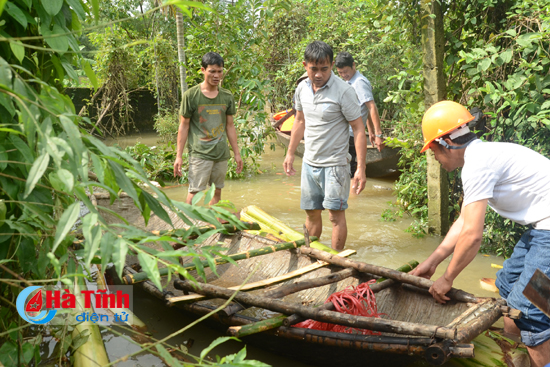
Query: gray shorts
<point x="324" y="187"/>
<point x="203" y="173"/>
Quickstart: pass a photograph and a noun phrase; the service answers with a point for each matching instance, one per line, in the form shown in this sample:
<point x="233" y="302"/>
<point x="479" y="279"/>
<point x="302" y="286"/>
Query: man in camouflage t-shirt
<point x="207" y="122"/>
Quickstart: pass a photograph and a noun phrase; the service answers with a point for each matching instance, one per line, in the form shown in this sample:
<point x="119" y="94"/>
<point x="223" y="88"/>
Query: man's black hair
<point x="344" y="59"/>
<point x="318" y="51"/>
<point x="212" y="58"/>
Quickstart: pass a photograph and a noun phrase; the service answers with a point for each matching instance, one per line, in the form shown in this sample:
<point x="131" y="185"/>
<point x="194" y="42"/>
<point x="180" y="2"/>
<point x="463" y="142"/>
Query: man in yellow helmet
<point x="515" y="182"/>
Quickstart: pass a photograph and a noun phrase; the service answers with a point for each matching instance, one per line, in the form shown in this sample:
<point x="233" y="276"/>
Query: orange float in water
<point x="280" y="115"/>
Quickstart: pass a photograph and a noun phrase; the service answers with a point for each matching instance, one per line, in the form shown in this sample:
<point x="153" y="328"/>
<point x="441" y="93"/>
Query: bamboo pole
<point x="403" y="268"/>
<point x="257" y="327"/>
<point x="456" y="294"/>
<point x="136" y="323"/>
<point x="273" y="225"/>
<point x="92" y="353"/>
<point x="229" y="228"/>
<point x="287" y="289"/>
<point x="263" y="283"/>
<point x="391" y="326"/>
<point x="140" y="277"/>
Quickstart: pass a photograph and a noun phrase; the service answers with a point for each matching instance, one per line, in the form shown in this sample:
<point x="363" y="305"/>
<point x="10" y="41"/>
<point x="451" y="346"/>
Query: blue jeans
<point x="532" y="252"/>
<point x="324" y="187"/>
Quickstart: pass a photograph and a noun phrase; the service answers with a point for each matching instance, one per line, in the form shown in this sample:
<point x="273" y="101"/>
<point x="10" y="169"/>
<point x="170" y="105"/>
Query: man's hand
<point x="287" y="165"/>
<point x="177" y="167"/>
<point x="424" y="270"/>
<point x="359" y="180"/>
<point x="239" y="162"/>
<point x="440" y="288"/>
<point x="372" y="139"/>
<point x="379" y="143"/>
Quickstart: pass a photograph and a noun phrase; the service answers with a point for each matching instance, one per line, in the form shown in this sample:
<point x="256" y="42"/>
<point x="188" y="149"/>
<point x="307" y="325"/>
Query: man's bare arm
<point x="375" y="119"/>
<point x="360" y="139"/>
<point x="296" y="135"/>
<point x="465" y="250"/>
<point x="183" y="132"/>
<point x="232" y="137"/>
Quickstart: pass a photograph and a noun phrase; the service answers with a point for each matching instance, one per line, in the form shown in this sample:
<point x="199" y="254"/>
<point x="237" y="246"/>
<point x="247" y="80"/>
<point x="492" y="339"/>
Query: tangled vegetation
<point x="496" y="58"/>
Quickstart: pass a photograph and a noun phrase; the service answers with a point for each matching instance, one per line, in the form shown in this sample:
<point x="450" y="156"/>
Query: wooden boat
<point x="413" y="325"/>
<point x="379" y="164"/>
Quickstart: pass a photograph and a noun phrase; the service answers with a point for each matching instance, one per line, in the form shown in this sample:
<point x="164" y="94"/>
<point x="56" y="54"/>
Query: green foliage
<point x="166" y="125"/>
<point x="46" y="160"/>
<point x="158" y="161"/>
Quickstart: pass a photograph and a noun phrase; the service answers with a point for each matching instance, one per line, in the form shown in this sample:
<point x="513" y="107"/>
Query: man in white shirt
<point x="515" y="182"/>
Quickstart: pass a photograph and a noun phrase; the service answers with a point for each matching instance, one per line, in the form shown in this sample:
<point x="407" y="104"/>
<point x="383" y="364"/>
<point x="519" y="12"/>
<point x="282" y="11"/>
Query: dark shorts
<point x="532" y="252"/>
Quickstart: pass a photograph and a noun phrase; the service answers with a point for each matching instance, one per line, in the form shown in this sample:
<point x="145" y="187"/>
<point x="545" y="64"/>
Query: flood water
<point x="376" y="241"/>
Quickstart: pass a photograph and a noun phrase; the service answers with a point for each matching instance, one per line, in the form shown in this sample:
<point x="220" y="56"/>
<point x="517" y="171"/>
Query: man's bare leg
<point x="314" y="222"/>
<point x="217" y="197"/>
<point x="339" y="229"/>
<point x="539" y="355"/>
<point x="190" y="197"/>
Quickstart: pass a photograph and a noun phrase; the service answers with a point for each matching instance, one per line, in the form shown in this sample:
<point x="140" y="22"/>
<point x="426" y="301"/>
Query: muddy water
<point x="376" y="241"/>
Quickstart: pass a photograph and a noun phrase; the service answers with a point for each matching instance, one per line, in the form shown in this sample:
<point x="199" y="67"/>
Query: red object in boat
<point x="358" y="301"/>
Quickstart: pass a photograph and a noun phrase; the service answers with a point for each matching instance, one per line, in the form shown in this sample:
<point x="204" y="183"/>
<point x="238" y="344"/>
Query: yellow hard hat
<point x="441" y="119"/>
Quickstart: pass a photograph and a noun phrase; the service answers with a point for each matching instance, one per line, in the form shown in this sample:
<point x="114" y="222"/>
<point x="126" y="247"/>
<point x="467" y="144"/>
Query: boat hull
<point x="378" y="164"/>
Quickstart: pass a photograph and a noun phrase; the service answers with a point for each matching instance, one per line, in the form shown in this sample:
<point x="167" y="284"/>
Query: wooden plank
<point x="266" y="282"/>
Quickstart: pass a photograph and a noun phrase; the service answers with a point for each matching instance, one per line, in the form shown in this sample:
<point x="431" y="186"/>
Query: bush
<point x="166" y="125"/>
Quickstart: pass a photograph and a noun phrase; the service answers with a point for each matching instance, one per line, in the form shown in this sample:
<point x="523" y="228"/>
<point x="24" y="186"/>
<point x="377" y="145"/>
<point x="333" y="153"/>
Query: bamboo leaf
<point x="66" y="222"/>
<point x="211" y="262"/>
<point x="2" y="4"/>
<point x="209" y="194"/>
<point x="125" y="183"/>
<point x="37" y="170"/>
<point x="90" y="74"/>
<point x="200" y="268"/>
<point x="106" y="248"/>
<point x="89" y="230"/>
<point x="156" y="207"/>
<point x="18" y="50"/>
<point x="150" y="266"/>
<point x="213" y="345"/>
<point x="171" y="361"/>
<point x="67" y="178"/>
<point x="194" y="4"/>
<point x="95" y="8"/>
<point x="120" y="249"/>
<point x="52" y="7"/>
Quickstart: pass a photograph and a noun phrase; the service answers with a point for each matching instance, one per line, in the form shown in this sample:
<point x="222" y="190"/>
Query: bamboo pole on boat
<point x="263" y="283"/>
<point x="403" y="268"/>
<point x="229" y="228"/>
<point x="456" y="294"/>
<point x="257" y="327"/>
<point x="140" y="277"/>
<point x="287" y="289"/>
<point x="391" y="326"/>
<point x="274" y="226"/>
